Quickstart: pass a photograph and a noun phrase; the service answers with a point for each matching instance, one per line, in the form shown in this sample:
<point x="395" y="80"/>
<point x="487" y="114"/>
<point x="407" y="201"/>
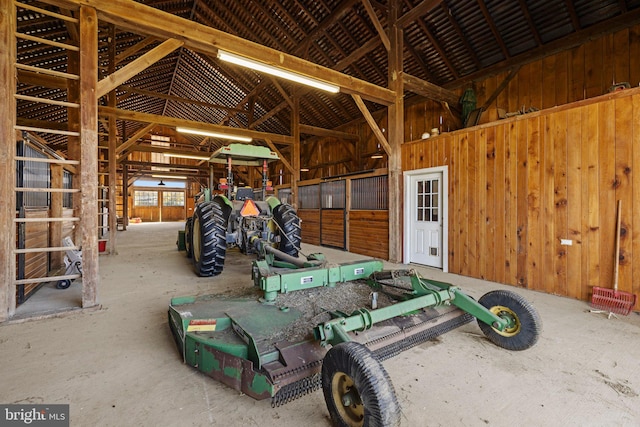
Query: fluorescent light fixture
<point x="160" y="138"/>
<point x="187" y="156"/>
<point x="215" y="134"/>
<point x="304" y="169"/>
<point x="278" y="72"/>
<point x="169" y="176"/>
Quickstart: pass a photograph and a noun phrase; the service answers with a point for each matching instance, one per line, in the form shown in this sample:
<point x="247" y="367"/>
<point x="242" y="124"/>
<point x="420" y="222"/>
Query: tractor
<point x="240" y="216"/>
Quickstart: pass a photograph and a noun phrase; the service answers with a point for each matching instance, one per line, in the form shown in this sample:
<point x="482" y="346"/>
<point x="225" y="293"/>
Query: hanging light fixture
<point x="276" y="71"/>
<point x="161" y="183"/>
<point x="378" y="154"/>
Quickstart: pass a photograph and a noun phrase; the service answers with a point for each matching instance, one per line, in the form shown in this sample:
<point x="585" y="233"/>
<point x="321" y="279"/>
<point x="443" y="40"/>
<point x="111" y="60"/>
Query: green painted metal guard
<point x="426" y="293"/>
<point x="273" y="282"/>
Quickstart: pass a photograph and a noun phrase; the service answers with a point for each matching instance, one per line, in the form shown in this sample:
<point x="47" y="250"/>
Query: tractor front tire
<point x="357" y="389"/>
<point x="209" y="238"/>
<point x="289" y="229"/>
<point x="524" y="324"/>
<point x="188" y="238"/>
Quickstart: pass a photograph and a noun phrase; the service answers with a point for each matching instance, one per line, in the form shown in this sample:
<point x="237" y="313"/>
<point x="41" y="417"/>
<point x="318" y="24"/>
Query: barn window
<point x="173" y="198"/>
<point x="145" y="198"/>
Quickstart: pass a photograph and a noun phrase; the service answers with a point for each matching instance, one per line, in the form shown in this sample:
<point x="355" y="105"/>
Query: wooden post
<point x="125" y="196"/>
<point x="55" y="227"/>
<point x="113" y="163"/>
<point x="89" y="154"/>
<point x="396" y="132"/>
<point x="295" y="150"/>
<point x="7" y="161"/>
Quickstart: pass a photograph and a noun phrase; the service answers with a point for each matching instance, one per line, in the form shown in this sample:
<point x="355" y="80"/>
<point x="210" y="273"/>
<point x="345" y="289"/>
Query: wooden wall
<point x="580" y="73"/>
<point x="519" y="186"/>
<point x="369" y="233"/>
<point x="310" y="219"/>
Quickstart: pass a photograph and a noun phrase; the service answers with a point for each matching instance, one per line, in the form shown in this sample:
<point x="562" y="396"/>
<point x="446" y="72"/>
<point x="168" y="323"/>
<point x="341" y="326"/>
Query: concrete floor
<point x="118" y="366"/>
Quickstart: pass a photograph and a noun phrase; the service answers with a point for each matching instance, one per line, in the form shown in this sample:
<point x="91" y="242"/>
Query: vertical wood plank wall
<point x="519" y="186"/>
<point x="580" y="73"/>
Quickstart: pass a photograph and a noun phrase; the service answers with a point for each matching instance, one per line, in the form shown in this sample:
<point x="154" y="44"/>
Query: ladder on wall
<point x="40" y="93"/>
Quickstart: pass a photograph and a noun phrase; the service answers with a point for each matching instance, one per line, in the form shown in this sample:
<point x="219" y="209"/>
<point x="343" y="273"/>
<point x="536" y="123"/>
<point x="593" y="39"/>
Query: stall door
<point x="425" y="229"/>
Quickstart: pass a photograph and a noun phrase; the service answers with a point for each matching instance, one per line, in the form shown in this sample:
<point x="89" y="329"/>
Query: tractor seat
<point x="244" y="193"/>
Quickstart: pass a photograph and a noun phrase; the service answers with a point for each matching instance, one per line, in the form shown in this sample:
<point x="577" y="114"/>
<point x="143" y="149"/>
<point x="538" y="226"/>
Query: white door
<point x="426" y="219"/>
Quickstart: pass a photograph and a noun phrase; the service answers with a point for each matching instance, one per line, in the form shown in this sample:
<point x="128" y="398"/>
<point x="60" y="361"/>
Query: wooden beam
<point x="317" y="131"/>
<point x="429" y="90"/>
<point x="136" y="136"/>
<point x="40" y="79"/>
<point x="174" y="122"/>
<point x="395" y="123"/>
<point x="376" y="23"/>
<point x="88" y="154"/>
<point x="500" y="87"/>
<point x="113" y="144"/>
<point x="7" y="162"/>
<point x="283" y="159"/>
<point x="108" y="84"/>
<point x="134" y="49"/>
<point x="142" y="19"/>
<point x="417" y="12"/>
<point x="490" y="22"/>
<point x="295" y="150"/>
<point x="153" y="94"/>
<point x="372" y="124"/>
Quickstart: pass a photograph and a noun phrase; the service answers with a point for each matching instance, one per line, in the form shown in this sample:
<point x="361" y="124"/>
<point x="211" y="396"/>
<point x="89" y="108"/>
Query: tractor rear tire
<point x="188" y="237"/>
<point x="289" y="229"/>
<point x="209" y="238"/>
<point x="357" y="389"/>
<point x="524" y="326"/>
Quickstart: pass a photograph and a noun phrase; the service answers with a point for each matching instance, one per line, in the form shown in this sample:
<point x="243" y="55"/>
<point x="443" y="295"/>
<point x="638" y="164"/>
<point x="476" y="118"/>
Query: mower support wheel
<point x="357" y="389"/>
<point x="524" y="324"/>
<point x="209" y="238"/>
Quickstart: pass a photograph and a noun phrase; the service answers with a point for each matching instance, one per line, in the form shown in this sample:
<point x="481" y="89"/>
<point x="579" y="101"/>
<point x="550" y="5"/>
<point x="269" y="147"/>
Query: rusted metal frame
<point x="494" y="30"/>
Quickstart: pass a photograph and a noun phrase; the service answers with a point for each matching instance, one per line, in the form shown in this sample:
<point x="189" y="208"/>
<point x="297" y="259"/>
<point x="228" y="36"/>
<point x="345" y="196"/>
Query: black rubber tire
<point x="63" y="284"/>
<point x="209" y="238"/>
<point x="525" y="327"/>
<point x="350" y="367"/>
<point x="289" y="229"/>
<point x="188" y="237"/>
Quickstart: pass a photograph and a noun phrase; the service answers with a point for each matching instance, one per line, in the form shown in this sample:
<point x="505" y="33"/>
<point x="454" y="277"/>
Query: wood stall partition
<point x="532" y="199"/>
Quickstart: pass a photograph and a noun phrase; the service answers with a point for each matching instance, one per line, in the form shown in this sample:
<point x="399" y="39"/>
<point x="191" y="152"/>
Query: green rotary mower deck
<point x="283" y="348"/>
